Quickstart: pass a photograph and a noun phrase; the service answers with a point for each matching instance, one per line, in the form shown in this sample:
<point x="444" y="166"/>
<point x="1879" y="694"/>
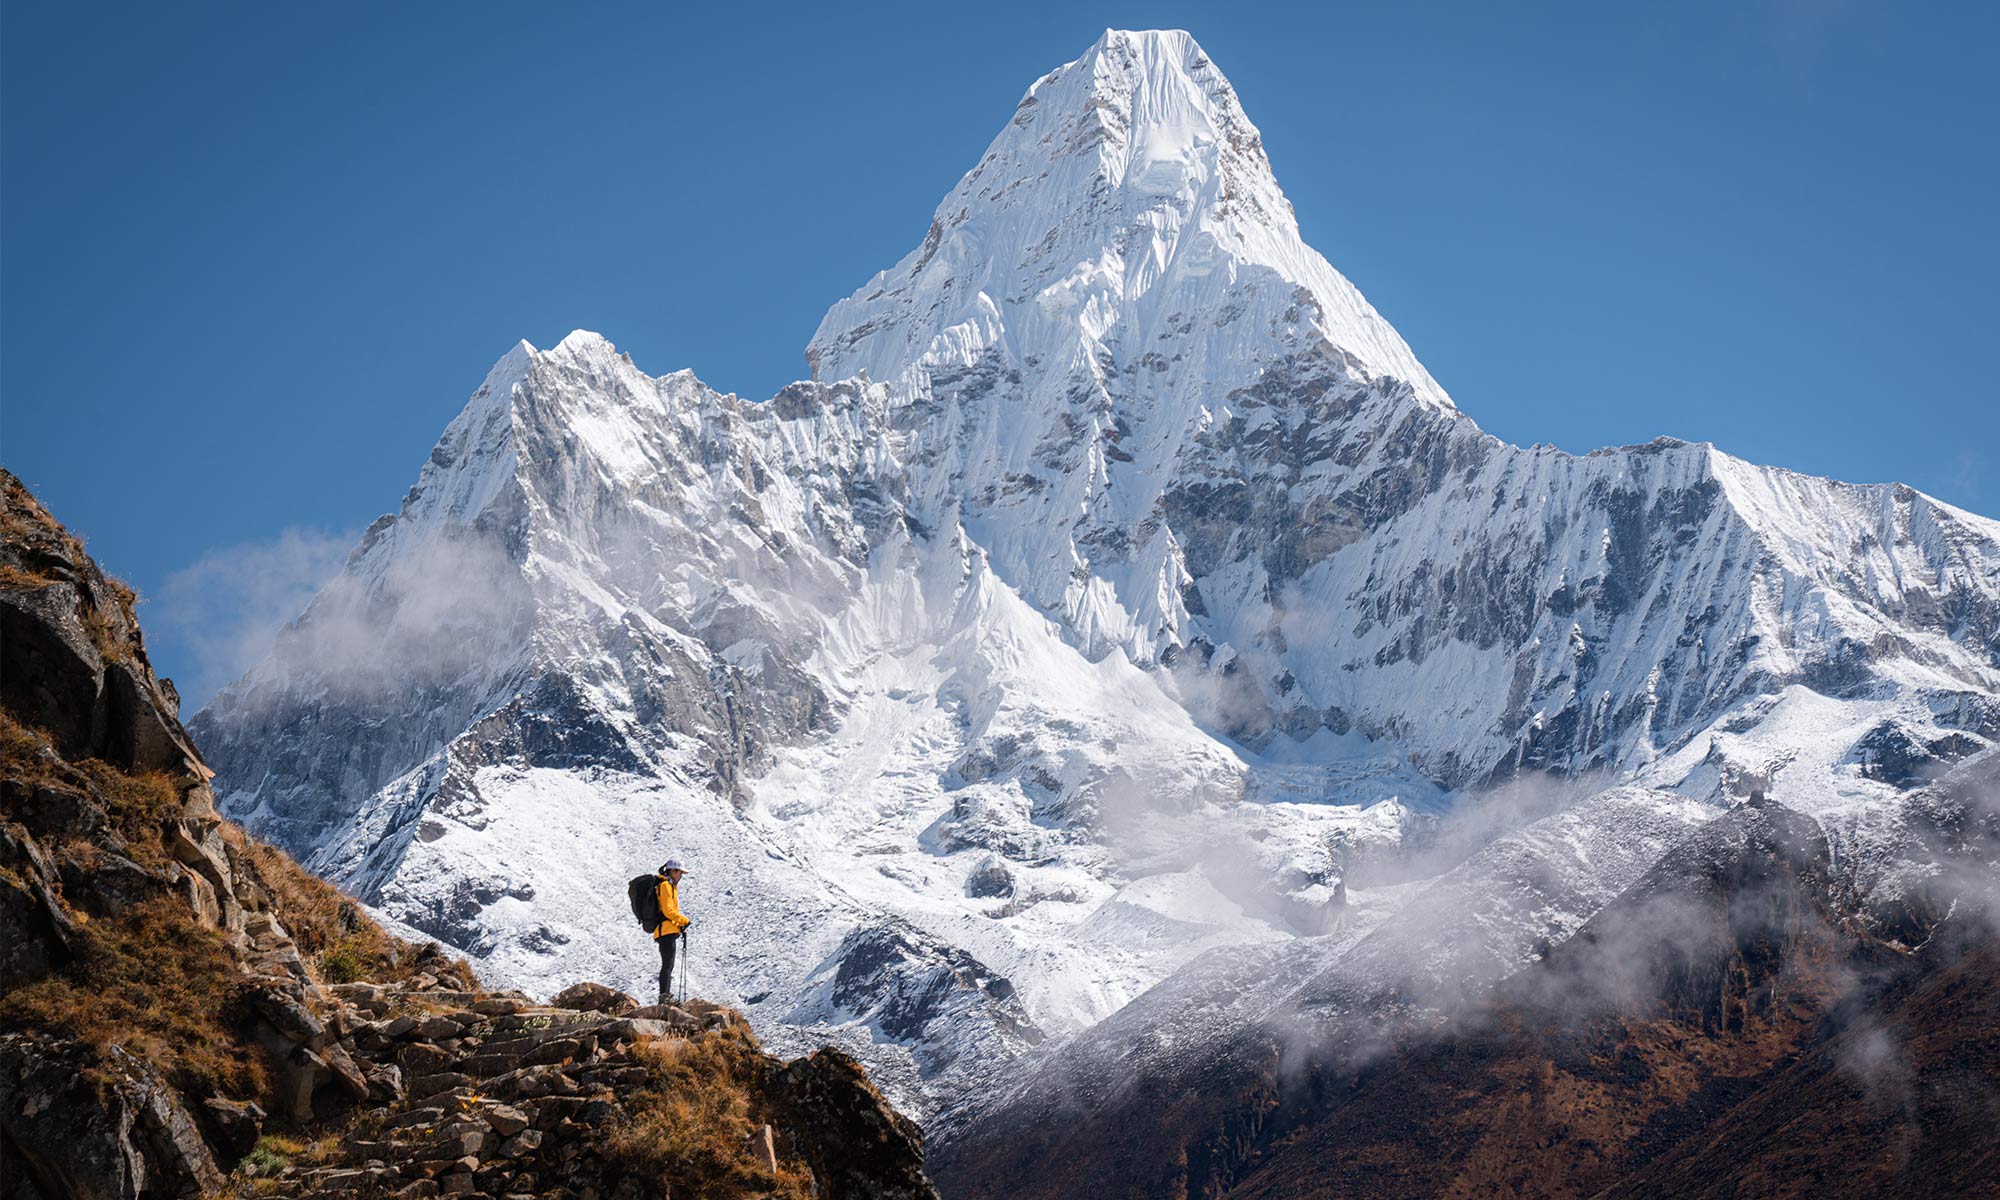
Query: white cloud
<point x="226" y="607"/>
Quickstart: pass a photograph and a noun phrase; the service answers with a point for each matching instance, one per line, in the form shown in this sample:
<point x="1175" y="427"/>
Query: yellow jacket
<point x="670" y="906"/>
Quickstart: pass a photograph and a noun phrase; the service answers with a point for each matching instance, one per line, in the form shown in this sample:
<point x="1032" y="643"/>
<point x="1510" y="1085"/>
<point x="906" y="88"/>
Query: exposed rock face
<point x="156" y="1015"/>
<point x="79" y="694"/>
<point x="85" y="1123"/>
<point x="860" y="1145"/>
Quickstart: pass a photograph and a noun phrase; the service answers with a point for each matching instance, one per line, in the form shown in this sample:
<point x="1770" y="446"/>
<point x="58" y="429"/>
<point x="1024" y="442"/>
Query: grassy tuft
<point x="19" y="579"/>
<point x="343" y="962"/>
<point x="689" y="1127"/>
<point x="26" y="750"/>
<point x="273" y="1153"/>
<point x="112" y="646"/>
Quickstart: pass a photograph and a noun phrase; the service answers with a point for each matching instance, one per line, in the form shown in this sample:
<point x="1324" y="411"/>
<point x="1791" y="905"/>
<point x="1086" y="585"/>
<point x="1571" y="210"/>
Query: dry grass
<point x="158" y="983"/>
<point x="26" y="750"/>
<point x="137" y="804"/>
<point x="310" y="908"/>
<point x="22" y="516"/>
<point x="342" y="942"/>
<point x="152" y="978"/>
<point x="127" y="598"/>
<point x="689" y="1128"/>
<point x="17" y="579"/>
<point x="112" y="646"/>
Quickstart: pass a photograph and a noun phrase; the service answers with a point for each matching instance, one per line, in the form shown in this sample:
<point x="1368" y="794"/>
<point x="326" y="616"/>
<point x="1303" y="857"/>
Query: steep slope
<point x="1119" y="588"/>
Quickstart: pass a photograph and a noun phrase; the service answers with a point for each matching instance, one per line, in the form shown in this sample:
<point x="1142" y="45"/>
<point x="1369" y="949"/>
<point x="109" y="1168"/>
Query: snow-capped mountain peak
<point x="1120" y="587"/>
<point x="1128" y="200"/>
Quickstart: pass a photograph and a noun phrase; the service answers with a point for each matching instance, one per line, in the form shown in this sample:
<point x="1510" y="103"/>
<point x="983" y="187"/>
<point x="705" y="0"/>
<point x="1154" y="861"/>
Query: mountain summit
<point x="1128" y="194"/>
<point x="1119" y="589"/>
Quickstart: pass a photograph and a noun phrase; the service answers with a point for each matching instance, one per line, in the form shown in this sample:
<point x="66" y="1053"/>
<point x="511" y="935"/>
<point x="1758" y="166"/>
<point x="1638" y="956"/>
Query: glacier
<point x="1119" y="610"/>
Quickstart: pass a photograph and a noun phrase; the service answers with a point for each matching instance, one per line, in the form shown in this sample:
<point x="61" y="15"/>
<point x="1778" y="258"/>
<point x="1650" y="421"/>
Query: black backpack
<point x="644" y="893"/>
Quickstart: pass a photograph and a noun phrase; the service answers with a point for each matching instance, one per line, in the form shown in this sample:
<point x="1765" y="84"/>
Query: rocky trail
<point x="488" y="1093"/>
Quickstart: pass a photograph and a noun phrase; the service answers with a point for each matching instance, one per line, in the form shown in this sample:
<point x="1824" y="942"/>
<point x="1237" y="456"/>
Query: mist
<point x="221" y="613"/>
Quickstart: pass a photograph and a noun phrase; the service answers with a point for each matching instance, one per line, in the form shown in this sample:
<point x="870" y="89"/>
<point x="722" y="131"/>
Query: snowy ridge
<point x="1119" y="590"/>
<point x="1142" y="138"/>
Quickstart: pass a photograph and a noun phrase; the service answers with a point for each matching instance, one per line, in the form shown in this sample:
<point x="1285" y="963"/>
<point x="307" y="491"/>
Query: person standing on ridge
<point x="673" y="923"/>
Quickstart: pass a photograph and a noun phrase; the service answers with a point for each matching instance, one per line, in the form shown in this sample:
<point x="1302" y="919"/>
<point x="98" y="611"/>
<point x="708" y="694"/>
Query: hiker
<point x="673" y="923"/>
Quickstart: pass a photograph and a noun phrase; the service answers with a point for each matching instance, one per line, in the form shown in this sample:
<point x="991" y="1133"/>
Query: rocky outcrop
<point x="98" y="772"/>
<point x="80" y="1121"/>
<point x="149" y="989"/>
<point x="490" y="1094"/>
<point x="184" y="1012"/>
<point x="856" y="1143"/>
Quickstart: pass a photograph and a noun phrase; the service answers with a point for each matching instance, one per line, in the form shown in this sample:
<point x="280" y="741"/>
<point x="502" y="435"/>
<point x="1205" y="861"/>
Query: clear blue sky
<point x="256" y="256"/>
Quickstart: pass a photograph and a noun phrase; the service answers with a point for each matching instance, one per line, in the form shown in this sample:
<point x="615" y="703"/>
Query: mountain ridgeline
<point x="1121" y="667"/>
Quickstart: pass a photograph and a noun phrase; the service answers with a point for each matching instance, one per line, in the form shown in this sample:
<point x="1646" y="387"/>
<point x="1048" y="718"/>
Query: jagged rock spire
<point x="1128" y="190"/>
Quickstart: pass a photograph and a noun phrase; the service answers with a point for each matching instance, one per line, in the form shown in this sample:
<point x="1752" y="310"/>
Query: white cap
<point x="673" y="864"/>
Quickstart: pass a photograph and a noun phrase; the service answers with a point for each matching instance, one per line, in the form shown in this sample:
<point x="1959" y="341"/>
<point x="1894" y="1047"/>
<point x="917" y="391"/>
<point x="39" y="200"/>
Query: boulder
<point x="501" y="1006"/>
<point x="522" y="1144"/>
<point x="416" y="1118"/>
<point x="203" y="900"/>
<point x="50" y="809"/>
<point x="385" y="1082"/>
<point x="506" y="1120"/>
<point x="233" y="1126"/>
<point x="487" y="1065"/>
<point x="363" y="994"/>
<point x="438" y="1029"/>
<point x="631" y="1029"/>
<point x="424" y="1086"/>
<point x="594" y="997"/>
<point x="289" y="1016"/>
<point x="557" y="1050"/>
<point x="459" y="1142"/>
<point x="421" y="1058"/>
<point x="104" y="884"/>
<point x="198" y="846"/>
<point x="347" y="1073"/>
<point x="300" y="1075"/>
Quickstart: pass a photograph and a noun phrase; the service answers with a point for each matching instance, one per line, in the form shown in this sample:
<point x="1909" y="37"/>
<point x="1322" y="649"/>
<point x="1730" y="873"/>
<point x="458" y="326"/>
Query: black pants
<point x="667" y="945"/>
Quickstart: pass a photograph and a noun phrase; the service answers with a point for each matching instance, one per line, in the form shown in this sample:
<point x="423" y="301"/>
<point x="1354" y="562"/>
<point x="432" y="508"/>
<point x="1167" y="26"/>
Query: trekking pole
<point x="684" y="964"/>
